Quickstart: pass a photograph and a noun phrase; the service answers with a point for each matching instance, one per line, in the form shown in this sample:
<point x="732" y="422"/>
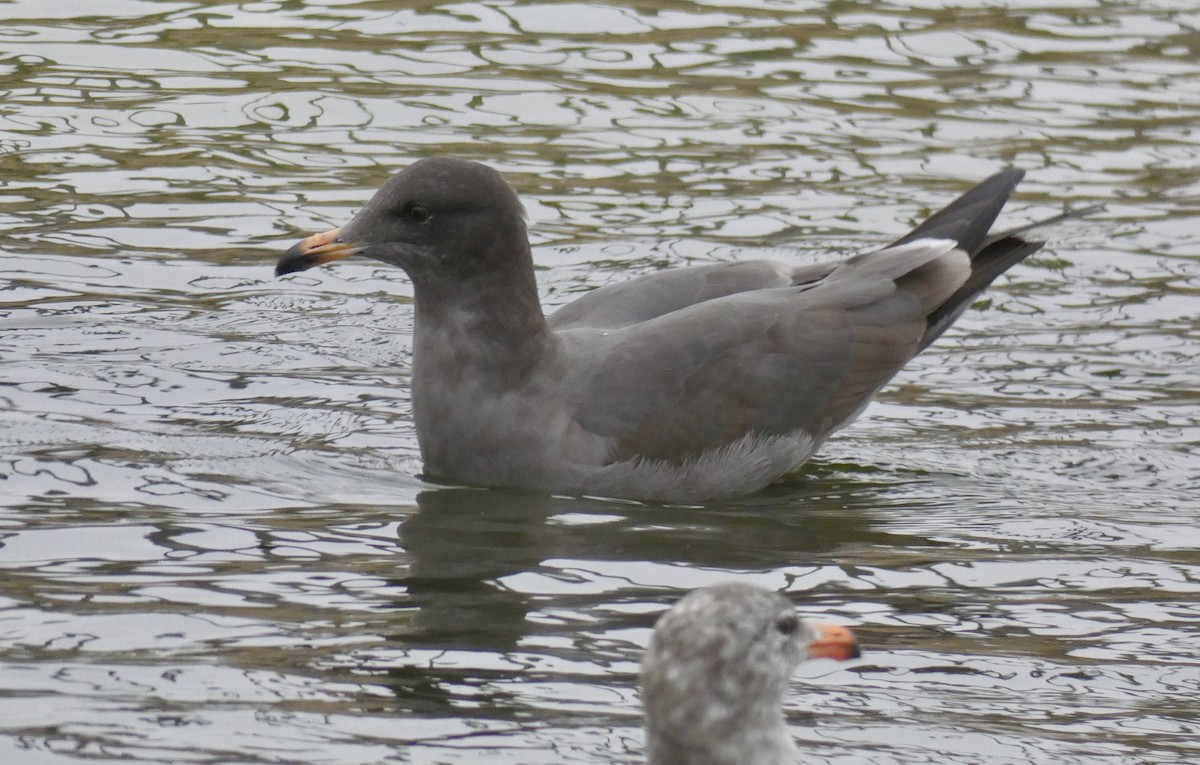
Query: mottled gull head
<point x="716" y="670"/>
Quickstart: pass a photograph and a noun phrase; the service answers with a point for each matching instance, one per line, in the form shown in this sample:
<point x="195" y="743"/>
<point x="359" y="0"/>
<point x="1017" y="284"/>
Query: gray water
<point x="217" y="548"/>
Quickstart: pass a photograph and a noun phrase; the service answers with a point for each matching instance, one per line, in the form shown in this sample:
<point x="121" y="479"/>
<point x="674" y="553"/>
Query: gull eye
<point x="419" y="213"/>
<point x="787" y="625"/>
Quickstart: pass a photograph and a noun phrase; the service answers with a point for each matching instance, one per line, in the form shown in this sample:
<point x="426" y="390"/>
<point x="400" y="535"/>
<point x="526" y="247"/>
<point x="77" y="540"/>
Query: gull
<point x="714" y="675"/>
<point x="687" y="385"/>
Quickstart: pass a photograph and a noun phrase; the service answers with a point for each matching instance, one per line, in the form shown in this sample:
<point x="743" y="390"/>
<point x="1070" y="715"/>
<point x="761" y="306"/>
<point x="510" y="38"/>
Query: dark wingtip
<point x="1029" y="232"/>
<point x="967" y="219"/>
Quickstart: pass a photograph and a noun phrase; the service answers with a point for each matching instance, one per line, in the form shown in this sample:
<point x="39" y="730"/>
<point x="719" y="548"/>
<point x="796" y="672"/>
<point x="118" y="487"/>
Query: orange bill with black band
<point x="316" y="250"/>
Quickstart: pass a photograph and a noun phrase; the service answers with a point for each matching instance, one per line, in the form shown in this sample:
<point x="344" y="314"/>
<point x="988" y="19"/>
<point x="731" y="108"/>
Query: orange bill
<point x="316" y="250"/>
<point x="834" y="642"/>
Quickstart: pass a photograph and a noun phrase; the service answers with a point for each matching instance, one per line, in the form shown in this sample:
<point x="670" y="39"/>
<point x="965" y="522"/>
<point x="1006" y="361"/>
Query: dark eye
<point x="419" y="214"/>
<point x="787" y="625"/>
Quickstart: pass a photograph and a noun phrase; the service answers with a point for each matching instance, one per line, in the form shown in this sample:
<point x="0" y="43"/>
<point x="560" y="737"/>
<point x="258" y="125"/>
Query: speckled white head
<point x="715" y="672"/>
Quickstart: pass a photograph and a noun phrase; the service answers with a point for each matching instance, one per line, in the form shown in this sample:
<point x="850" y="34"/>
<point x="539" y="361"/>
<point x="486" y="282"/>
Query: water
<point x="215" y="544"/>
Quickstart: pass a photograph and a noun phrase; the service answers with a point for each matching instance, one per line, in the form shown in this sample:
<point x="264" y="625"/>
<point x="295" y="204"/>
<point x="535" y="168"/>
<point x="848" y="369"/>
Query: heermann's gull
<point x="715" y="672"/>
<point x="686" y="385"/>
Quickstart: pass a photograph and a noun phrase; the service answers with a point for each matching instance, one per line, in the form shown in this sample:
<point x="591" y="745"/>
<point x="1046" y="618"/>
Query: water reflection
<point x="479" y="560"/>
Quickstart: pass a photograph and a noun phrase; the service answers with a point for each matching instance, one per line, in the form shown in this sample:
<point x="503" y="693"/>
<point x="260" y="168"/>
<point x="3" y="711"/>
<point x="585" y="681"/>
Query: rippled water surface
<point x="216" y="547"/>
